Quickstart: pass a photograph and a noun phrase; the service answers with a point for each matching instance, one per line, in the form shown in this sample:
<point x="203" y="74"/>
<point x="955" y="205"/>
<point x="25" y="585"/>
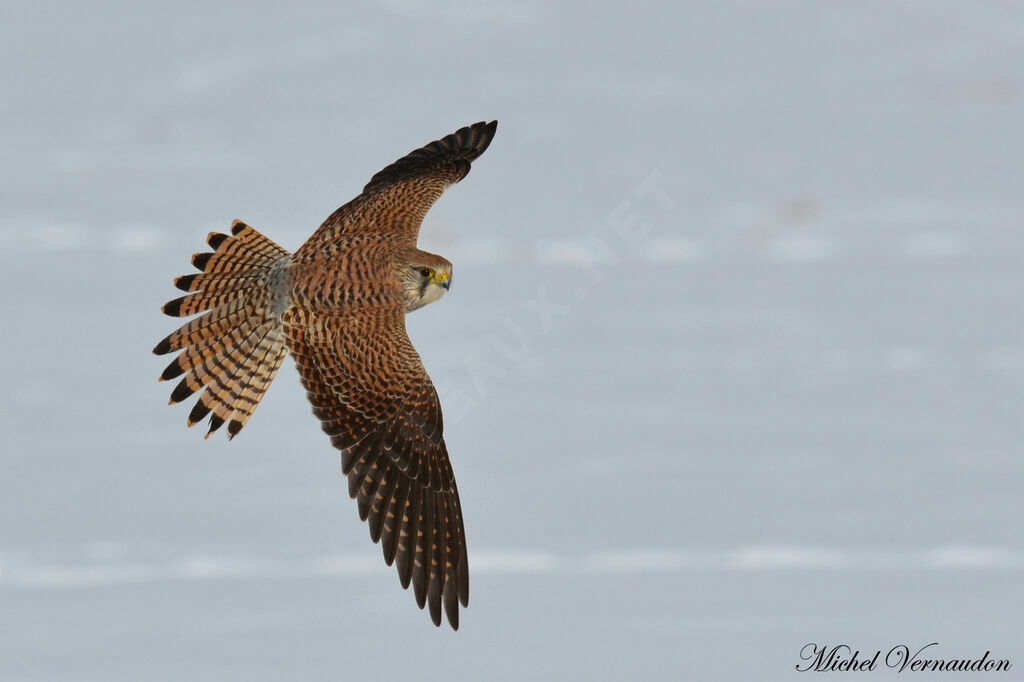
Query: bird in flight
<point x="338" y="306"/>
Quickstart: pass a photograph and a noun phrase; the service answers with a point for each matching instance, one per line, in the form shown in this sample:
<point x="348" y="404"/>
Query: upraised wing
<point x="397" y="198"/>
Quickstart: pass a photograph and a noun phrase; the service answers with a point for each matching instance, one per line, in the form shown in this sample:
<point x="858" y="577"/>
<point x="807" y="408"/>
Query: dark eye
<point x="426" y="272"/>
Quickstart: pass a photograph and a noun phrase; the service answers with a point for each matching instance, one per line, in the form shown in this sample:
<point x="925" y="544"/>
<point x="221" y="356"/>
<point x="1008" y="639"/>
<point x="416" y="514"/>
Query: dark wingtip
<point x="434" y="601"/>
<point x="476" y="137"/>
<point x="348" y="456"/>
<point x="490" y="129"/>
<point x="486" y="132"/>
<point x="237" y="226"/>
<point x="405" y="580"/>
<point x="376" y="525"/>
<point x="459" y="149"/>
<point x="234" y="426"/>
<point x="451" y="603"/>
<point x="462" y="580"/>
<point x="419" y="590"/>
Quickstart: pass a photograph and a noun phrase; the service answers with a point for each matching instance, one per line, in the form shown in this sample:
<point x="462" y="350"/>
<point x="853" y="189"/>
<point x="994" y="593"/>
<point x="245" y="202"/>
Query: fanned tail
<point x="234" y="349"/>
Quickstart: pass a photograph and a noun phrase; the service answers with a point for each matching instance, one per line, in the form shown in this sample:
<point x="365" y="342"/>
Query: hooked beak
<point x="443" y="280"/>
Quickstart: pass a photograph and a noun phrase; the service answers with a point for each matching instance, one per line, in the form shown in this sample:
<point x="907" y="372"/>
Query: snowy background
<point x="733" y="360"/>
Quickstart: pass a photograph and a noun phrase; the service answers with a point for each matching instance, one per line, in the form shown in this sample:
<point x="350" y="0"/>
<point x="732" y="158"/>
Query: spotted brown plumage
<point x="338" y="306"/>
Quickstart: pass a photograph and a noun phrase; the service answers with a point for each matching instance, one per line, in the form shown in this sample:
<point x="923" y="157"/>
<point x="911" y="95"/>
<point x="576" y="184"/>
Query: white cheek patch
<point x="432" y="293"/>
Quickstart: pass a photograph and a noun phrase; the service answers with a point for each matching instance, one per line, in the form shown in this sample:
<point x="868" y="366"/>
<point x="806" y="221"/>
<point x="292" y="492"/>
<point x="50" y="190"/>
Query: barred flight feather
<point x="233" y="350"/>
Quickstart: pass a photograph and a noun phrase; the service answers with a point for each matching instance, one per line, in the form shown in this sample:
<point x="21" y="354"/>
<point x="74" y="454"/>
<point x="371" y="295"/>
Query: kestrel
<point x="338" y="305"/>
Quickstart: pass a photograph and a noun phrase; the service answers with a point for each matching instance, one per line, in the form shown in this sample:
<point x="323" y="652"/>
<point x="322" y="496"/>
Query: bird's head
<point x="424" y="279"/>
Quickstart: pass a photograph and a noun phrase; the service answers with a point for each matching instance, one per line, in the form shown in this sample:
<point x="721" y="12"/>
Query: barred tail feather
<point x="233" y="350"/>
